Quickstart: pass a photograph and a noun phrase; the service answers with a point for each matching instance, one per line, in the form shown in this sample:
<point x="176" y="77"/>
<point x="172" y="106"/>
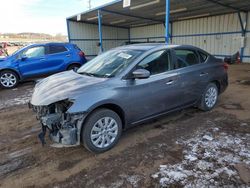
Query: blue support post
<point x="100" y="29"/>
<point x="167" y="21"/>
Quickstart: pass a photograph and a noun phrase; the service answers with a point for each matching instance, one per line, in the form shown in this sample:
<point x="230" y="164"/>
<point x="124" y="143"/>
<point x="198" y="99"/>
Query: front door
<point x="158" y="93"/>
<point x="32" y="61"/>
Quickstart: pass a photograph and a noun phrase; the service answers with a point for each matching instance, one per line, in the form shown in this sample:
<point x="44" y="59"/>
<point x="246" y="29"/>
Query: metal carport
<point x="218" y="26"/>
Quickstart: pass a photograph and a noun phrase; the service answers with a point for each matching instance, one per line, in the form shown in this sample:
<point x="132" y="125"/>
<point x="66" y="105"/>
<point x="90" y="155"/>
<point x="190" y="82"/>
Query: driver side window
<point x="156" y="63"/>
<point x="35" y="52"/>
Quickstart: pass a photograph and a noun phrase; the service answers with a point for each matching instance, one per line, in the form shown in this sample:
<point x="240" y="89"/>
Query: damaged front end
<point x="64" y="128"/>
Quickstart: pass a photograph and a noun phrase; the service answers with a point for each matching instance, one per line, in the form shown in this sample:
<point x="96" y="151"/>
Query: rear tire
<point x="8" y="79"/>
<point x="101" y="131"/>
<point x="74" y="67"/>
<point x="209" y="98"/>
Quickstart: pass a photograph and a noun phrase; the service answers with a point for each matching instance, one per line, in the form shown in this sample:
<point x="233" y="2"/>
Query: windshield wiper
<point x="87" y="73"/>
<point x="95" y="75"/>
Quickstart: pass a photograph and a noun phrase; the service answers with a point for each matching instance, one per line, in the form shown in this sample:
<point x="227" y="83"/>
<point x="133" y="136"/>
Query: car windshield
<point x="17" y="51"/>
<point x="110" y="63"/>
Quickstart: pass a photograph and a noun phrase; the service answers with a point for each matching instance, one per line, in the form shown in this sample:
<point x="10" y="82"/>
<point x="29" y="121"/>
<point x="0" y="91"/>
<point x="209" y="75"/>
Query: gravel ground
<point x="211" y="158"/>
<point x="187" y="148"/>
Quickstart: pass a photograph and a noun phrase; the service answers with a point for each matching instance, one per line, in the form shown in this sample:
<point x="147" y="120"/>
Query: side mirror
<point x="23" y="57"/>
<point x="141" y="74"/>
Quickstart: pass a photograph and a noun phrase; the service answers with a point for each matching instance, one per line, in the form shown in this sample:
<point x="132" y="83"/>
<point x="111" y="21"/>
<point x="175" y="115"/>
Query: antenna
<point x="89" y="2"/>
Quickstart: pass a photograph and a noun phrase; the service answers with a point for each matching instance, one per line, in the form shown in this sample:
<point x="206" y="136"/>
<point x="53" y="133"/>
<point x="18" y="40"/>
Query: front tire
<point x="8" y="79"/>
<point x="101" y="131"/>
<point x="209" y="97"/>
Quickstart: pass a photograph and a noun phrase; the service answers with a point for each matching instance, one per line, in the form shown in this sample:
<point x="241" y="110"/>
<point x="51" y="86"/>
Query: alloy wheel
<point x="211" y="97"/>
<point x="8" y="80"/>
<point x="104" y="132"/>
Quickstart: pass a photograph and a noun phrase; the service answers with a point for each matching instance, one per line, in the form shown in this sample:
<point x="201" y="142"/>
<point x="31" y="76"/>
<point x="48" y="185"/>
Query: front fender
<point x="86" y="106"/>
<point x="12" y="69"/>
<point x="10" y="64"/>
<point x="86" y="102"/>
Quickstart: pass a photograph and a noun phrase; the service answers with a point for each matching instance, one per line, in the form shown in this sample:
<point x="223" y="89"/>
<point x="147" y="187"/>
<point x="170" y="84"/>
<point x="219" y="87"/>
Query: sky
<point x="41" y="16"/>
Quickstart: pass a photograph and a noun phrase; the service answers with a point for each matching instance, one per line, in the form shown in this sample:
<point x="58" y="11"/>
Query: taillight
<point x="238" y="59"/>
<point x="225" y="65"/>
<point x="81" y="54"/>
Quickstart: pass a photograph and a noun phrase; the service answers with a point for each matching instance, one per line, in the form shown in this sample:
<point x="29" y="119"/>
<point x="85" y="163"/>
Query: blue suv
<point x="39" y="60"/>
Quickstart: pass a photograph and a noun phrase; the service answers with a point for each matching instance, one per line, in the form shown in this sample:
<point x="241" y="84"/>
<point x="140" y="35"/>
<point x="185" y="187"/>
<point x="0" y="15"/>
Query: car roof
<point x="49" y="43"/>
<point x="149" y="46"/>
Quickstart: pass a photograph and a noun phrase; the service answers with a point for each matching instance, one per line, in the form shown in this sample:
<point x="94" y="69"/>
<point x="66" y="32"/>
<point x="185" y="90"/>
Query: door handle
<point x="68" y="55"/>
<point x="170" y="82"/>
<point x="203" y="73"/>
<point x="42" y="59"/>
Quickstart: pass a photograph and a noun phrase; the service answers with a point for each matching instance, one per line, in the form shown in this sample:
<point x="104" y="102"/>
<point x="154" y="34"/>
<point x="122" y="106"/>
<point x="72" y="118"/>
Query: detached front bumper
<point x="63" y="128"/>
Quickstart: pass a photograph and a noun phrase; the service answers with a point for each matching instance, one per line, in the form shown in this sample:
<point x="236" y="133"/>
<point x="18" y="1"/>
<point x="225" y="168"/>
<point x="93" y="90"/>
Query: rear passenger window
<point x="53" y="49"/>
<point x="156" y="63"/>
<point x="203" y="57"/>
<point x="186" y="58"/>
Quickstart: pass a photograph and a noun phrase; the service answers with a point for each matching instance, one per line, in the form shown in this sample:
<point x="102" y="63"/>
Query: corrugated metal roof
<point x="147" y="12"/>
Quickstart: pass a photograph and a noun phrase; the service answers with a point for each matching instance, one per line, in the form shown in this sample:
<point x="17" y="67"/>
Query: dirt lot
<point x="184" y="149"/>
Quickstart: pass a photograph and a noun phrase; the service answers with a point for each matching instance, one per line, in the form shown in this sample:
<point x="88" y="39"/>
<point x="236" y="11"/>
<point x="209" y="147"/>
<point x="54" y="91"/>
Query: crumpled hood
<point x="61" y="86"/>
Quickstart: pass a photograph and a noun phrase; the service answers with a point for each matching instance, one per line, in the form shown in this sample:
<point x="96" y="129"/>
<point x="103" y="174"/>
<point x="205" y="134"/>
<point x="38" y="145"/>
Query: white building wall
<point x="219" y="35"/>
<point x="149" y="33"/>
<point x="224" y="33"/>
<point x="86" y="37"/>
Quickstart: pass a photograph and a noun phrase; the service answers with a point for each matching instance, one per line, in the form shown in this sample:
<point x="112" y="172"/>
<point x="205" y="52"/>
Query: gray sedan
<point x="124" y="87"/>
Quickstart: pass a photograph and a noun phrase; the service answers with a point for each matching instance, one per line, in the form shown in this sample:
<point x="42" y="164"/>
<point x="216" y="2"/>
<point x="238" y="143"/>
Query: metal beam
<point x="167" y="21"/>
<point x="68" y="32"/>
<point x="243" y="33"/>
<point x="132" y="16"/>
<point x="241" y="22"/>
<point x="100" y="29"/>
<point x="225" y="5"/>
<point x="92" y="23"/>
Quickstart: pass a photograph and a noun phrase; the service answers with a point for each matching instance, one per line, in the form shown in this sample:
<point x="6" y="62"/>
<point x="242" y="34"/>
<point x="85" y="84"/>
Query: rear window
<point x="53" y="49"/>
<point x="203" y="56"/>
<point x="186" y="57"/>
<point x="76" y="47"/>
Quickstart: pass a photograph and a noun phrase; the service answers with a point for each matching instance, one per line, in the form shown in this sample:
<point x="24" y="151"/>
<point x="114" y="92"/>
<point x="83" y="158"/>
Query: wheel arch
<point x="218" y="84"/>
<point x="73" y="63"/>
<point x="111" y="106"/>
<point x="114" y="107"/>
<point x="13" y="70"/>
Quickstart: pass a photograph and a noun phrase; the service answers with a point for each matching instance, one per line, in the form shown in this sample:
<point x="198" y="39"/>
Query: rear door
<point x="158" y="93"/>
<point x="58" y="57"/>
<point x="193" y="73"/>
